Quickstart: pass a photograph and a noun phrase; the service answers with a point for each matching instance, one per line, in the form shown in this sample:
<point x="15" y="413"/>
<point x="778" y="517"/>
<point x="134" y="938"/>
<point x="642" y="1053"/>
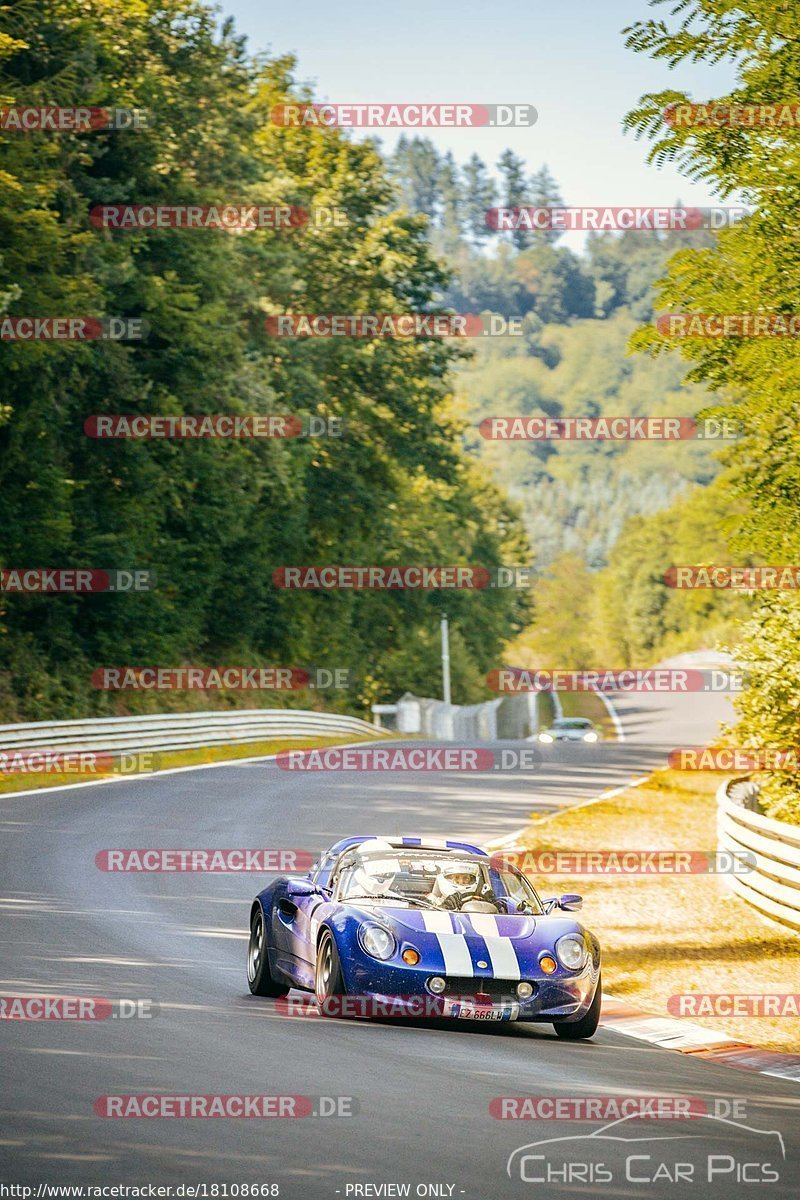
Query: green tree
<point x="480" y="194"/>
<point x="416" y="167"/>
<point x="514" y="189"/>
<point x="753" y="267"/>
<point x="545" y="193"/>
<point x="215" y="518"/>
<point x="450" y="224"/>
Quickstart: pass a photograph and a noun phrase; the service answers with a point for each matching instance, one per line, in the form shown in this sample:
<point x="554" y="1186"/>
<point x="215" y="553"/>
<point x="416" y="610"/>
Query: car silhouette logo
<point x="602" y="1135"/>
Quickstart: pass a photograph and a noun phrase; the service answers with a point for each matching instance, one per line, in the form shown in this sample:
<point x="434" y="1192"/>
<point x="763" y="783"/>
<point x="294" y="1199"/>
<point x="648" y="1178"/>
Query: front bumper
<point x="404" y="992"/>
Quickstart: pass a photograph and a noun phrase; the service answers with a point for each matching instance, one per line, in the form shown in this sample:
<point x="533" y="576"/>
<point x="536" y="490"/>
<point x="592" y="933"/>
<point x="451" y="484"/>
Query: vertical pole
<point x="445" y="660"/>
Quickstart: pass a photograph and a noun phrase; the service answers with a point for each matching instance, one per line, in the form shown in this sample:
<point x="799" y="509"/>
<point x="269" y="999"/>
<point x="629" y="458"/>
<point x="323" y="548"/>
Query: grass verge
<point x="664" y="935"/>
<point x="161" y="761"/>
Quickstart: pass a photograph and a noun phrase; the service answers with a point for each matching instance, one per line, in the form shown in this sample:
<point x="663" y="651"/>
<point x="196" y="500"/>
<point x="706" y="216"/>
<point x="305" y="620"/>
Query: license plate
<point x="469" y="1012"/>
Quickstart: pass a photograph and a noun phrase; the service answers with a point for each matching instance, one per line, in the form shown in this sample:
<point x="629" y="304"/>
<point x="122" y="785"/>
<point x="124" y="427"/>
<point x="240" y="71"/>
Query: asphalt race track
<point x="422" y="1093"/>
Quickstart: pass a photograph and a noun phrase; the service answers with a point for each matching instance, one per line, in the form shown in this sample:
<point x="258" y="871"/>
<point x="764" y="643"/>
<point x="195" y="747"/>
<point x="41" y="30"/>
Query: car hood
<point x="437" y="922"/>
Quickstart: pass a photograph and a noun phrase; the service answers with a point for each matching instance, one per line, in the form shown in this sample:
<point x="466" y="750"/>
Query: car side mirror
<point x="301" y="887"/>
<point x="570" y="902"/>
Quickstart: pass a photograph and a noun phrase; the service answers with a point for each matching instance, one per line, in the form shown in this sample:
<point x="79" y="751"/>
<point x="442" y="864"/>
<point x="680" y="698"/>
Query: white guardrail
<point x="774" y="886"/>
<point x="180" y="731"/>
<point x="512" y="717"/>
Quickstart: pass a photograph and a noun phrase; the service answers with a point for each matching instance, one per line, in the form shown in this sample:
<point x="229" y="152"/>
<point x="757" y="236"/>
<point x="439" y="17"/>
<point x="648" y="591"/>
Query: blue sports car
<point x="417" y="927"/>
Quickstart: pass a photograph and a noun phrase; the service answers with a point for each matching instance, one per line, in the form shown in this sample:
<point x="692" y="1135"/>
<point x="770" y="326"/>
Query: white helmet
<point x="467" y="880"/>
<point x="375" y="875"/>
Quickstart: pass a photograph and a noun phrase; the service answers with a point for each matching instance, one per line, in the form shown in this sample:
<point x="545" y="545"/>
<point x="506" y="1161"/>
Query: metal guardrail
<point x="773" y="887"/>
<point x="179" y="731"/>
<point x="507" y="717"/>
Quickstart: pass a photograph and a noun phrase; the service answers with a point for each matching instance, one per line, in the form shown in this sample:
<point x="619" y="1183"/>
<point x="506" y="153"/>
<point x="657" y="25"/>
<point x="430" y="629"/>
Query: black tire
<point x="328" y="979"/>
<point x="586" y="1027"/>
<point x="259" y="977"/>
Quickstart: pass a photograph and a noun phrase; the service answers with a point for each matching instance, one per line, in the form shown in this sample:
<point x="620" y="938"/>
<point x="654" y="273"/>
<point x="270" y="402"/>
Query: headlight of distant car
<point x="591" y="736"/>
<point x="377" y="941"/>
<point x="545" y="737"/>
<point x="571" y="951"/>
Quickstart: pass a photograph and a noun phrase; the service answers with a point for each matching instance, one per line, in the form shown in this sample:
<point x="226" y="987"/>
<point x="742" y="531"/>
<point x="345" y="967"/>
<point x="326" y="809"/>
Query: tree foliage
<point x="754" y="267"/>
<point x="213" y="519"/>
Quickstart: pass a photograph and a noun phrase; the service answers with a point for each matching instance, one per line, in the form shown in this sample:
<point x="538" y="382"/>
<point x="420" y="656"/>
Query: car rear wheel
<point x="259" y="977"/>
<point x="328" y="980"/>
<point x="586" y="1027"/>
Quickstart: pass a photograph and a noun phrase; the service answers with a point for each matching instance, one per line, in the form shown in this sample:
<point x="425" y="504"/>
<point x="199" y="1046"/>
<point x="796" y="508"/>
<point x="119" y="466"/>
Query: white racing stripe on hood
<point x="454" y="948"/>
<point x="502" y="954"/>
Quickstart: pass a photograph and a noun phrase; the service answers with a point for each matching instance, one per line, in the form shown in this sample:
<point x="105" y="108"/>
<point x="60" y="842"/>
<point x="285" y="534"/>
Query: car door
<point x="295" y="926"/>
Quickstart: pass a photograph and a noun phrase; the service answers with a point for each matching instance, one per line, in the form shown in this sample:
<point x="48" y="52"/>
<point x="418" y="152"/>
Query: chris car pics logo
<point x="714" y="1152"/>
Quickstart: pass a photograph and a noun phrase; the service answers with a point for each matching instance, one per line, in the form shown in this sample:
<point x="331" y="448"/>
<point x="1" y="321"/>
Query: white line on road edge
<point x="612" y="712"/>
<point x="496" y="843"/>
<point x="615" y="791"/>
<point x="227" y="762"/>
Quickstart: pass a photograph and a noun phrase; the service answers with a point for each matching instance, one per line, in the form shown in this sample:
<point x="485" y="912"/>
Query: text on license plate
<point x="470" y="1013"/>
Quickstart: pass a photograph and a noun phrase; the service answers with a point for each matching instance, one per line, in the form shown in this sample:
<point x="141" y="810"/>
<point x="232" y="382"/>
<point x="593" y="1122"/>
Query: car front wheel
<point x="259" y="977"/>
<point x="328" y="980"/>
<point x="586" y="1027"/>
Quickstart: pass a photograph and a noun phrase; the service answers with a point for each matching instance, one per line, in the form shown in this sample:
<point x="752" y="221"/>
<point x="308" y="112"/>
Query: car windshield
<point x="426" y="879"/>
<point x="572" y="723"/>
<point x="406" y="874"/>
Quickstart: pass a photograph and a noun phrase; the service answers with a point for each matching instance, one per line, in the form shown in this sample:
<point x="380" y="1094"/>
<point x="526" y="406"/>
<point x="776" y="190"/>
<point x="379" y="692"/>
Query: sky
<point x="567" y="58"/>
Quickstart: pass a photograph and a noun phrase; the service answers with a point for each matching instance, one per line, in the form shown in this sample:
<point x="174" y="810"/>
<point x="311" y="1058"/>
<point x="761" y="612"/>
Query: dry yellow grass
<point x="664" y="935"/>
<point x="177" y="758"/>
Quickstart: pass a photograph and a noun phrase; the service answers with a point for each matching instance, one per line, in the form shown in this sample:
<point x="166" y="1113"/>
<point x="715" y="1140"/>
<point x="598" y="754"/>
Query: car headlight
<point x="571" y="951"/>
<point x="377" y="941"/>
<point x="590" y="737"/>
<point x="545" y="737"/>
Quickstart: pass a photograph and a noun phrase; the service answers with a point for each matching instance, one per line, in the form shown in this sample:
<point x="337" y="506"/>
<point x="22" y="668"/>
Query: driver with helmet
<point x="374" y="875"/>
<point x="458" y="882"/>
